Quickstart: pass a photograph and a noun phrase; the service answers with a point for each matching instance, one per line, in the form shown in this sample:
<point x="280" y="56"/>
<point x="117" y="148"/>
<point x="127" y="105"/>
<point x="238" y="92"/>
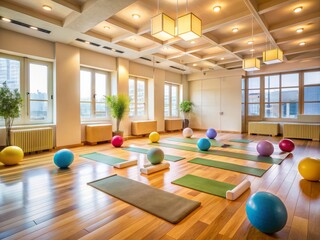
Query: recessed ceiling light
<point x="222" y="58"/>
<point x="106" y="27"/>
<point x="87" y="42"/>
<point x="193" y="42"/>
<point x="113" y="50"/>
<point x="135" y="16"/>
<point x="34" y="28"/>
<point x="133" y="39"/>
<point x="5" y="19"/>
<point x="252" y="50"/>
<point x="298" y="9"/>
<point x="250" y="42"/>
<point x="194" y="64"/>
<point x="235" y="30"/>
<point x="299" y="30"/>
<point x="217" y="8"/>
<point x="302" y="44"/>
<point x="47" y="8"/>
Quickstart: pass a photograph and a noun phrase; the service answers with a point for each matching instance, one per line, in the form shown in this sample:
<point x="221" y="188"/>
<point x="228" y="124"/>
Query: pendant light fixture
<point x="272" y="56"/>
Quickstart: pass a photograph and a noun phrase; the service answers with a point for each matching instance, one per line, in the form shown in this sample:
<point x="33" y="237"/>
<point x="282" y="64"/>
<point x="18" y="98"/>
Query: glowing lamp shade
<point x="251" y="64"/>
<point x="189" y="27"/>
<point x="273" y="56"/>
<point x="162" y="27"/>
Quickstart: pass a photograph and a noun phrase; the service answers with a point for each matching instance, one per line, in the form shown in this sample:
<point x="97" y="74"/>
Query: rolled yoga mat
<point x="165" y="205"/>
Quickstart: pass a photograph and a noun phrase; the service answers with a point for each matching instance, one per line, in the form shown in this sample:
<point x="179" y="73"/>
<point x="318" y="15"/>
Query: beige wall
<point x="97" y="60"/>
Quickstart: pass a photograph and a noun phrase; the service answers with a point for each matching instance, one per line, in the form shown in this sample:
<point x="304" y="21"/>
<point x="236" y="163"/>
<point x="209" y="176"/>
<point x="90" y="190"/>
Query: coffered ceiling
<point x="110" y="27"/>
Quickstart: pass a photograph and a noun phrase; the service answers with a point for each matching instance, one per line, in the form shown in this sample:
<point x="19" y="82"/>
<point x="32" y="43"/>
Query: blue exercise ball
<point x="203" y="144"/>
<point x="211" y="133"/>
<point x="63" y="158"/>
<point x="155" y="155"/>
<point x="266" y="212"/>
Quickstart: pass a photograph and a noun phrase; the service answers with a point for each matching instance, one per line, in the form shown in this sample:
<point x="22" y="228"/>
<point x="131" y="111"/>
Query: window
<point x="33" y="79"/>
<point x="271" y="96"/>
<point x="254" y="96"/>
<point x="138" y="95"/>
<point x="312" y="93"/>
<point x="94" y="86"/>
<point x="289" y="95"/>
<point x="171" y="100"/>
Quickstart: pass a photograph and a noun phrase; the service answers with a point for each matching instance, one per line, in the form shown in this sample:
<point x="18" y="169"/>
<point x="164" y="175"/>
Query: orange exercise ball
<point x="11" y="155"/>
<point x="309" y="168"/>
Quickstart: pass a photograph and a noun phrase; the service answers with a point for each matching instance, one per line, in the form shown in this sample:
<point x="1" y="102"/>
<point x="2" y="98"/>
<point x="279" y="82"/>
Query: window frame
<point x="134" y="101"/>
<point x="171" y="85"/>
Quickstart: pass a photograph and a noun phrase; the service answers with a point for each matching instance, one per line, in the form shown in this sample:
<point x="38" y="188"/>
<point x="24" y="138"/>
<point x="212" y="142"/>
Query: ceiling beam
<point x="98" y="36"/>
<point x="269" y="6"/>
<point x="241" y="37"/>
<point x="304" y="49"/>
<point x="121" y="37"/>
<point x="307" y="55"/>
<point x="247" y="47"/>
<point x="73" y="7"/>
<point x="296" y="37"/>
<point x="122" y="25"/>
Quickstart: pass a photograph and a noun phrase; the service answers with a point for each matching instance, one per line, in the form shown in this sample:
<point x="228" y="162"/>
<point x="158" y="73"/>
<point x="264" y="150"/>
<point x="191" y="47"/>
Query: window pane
<point x="101" y="107"/>
<point x="38" y="110"/>
<point x="312" y="93"/>
<point x="289" y="110"/>
<point x="253" y="109"/>
<point x="131" y="90"/>
<point x="243" y="96"/>
<point x="10" y="73"/>
<point x="140" y="109"/>
<point x="243" y="82"/>
<point x="174" y="101"/>
<point x="166" y="100"/>
<point x="290" y="94"/>
<point x="272" y="81"/>
<point x="101" y="87"/>
<point x="38" y="77"/>
<point x="254" y="82"/>
<point x="311" y="78"/>
<point x="290" y="80"/>
<point x="85" y="85"/>
<point x="131" y="112"/>
<point x="140" y="91"/>
<point x="85" y="110"/>
<point x="312" y="108"/>
<point x="253" y="96"/>
<point x="271" y="110"/>
<point x="272" y="95"/>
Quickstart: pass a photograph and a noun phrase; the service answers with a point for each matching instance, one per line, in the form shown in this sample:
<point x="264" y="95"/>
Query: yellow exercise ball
<point x="309" y="168"/>
<point x="11" y="155"/>
<point x="154" y="137"/>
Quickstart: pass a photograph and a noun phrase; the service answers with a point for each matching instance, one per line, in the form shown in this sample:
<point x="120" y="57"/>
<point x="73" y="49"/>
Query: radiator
<point x="31" y="140"/>
<point x="302" y="130"/>
<point x="173" y="124"/>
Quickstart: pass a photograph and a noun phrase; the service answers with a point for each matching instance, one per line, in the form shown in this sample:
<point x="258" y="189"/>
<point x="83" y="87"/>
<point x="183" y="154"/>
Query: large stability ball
<point x="154" y="137"/>
<point x="286" y="145"/>
<point x="11" y="155"/>
<point x="211" y="133"/>
<point x="266" y="212"/>
<point x="309" y="168"/>
<point x="187" y="132"/>
<point x="155" y="155"/>
<point x="203" y="144"/>
<point x="63" y="158"/>
<point x="265" y="148"/>
<point x="117" y="141"/>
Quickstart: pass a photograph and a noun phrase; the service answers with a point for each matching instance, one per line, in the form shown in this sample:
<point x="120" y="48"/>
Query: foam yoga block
<point x="126" y="164"/>
<point x="148" y="169"/>
<point x="238" y="190"/>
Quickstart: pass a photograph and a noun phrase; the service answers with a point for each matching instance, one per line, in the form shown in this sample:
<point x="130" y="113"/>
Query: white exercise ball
<point x="187" y="132"/>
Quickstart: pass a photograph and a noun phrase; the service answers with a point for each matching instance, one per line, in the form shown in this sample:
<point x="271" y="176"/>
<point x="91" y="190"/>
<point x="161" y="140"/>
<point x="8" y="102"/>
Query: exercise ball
<point x="63" y="158"/>
<point x="211" y="133"/>
<point x="117" y="141"/>
<point x="203" y="144"/>
<point x="265" y="148"/>
<point x="266" y="212"/>
<point x="187" y="132"/>
<point x="155" y="155"/>
<point x="154" y="137"/>
<point x="286" y="145"/>
<point x="11" y="155"/>
<point x="309" y="168"/>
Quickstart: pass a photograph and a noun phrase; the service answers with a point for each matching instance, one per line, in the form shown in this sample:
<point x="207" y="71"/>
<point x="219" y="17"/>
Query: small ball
<point x="117" y="141"/>
<point x="154" y="137"/>
<point x="155" y="155"/>
<point x="309" y="168"/>
<point x="63" y="158"/>
<point x="286" y="145"/>
<point x="11" y="155"/>
<point x="203" y="144"/>
<point x="211" y="133"/>
<point x="187" y="132"/>
<point x="265" y="148"/>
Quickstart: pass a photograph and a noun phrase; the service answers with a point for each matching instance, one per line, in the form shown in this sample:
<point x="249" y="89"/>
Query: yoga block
<point x="149" y="169"/>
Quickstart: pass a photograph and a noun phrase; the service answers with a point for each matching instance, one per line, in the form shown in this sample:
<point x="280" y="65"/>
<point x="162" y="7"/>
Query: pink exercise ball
<point x="286" y="145"/>
<point x="265" y="148"/>
<point x="117" y="141"/>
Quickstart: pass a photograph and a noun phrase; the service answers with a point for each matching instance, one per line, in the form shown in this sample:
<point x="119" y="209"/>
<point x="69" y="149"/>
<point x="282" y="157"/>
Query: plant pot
<point x="185" y="123"/>
<point x="119" y="133"/>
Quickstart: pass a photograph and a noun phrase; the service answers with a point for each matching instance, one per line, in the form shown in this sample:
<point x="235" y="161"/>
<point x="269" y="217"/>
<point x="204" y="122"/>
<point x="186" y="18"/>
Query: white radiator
<point x="31" y="140"/>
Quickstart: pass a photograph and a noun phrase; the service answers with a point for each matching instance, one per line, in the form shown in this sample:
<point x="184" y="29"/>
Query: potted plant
<point x="119" y="106"/>
<point x="10" y="105"/>
<point x="186" y="108"/>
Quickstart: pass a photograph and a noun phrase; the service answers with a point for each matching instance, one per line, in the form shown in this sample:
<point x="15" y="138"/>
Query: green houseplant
<point x="10" y="105"/>
<point x="119" y="106"/>
<point x="186" y="108"/>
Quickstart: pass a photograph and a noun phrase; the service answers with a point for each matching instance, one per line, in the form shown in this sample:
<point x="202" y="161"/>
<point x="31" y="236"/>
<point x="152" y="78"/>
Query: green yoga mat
<point x="165" y="205"/>
<point x="225" y="153"/>
<point x="229" y="166"/>
<point x="167" y="157"/>
<point x="240" y="140"/>
<point x="98" y="157"/>
<point x="204" y="185"/>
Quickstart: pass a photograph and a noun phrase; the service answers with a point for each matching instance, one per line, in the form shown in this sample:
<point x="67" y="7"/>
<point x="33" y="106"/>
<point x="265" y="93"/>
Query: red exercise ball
<point x="117" y="141"/>
<point x="286" y="145"/>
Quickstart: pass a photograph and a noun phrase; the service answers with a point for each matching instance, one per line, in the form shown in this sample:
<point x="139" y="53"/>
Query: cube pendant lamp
<point x="251" y="64"/>
<point x="189" y="27"/>
<point x="273" y="56"/>
<point x="162" y="27"/>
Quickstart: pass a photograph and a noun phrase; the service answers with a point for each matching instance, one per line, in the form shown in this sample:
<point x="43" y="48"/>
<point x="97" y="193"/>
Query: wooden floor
<point x="39" y="201"/>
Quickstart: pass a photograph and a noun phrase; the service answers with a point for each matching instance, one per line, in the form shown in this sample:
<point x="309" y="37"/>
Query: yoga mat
<point x="167" y="157"/>
<point x="226" y="154"/>
<point x="98" y="157"/>
<point x="240" y="140"/>
<point x="165" y="205"/>
<point x="229" y="166"/>
<point x="204" y="185"/>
